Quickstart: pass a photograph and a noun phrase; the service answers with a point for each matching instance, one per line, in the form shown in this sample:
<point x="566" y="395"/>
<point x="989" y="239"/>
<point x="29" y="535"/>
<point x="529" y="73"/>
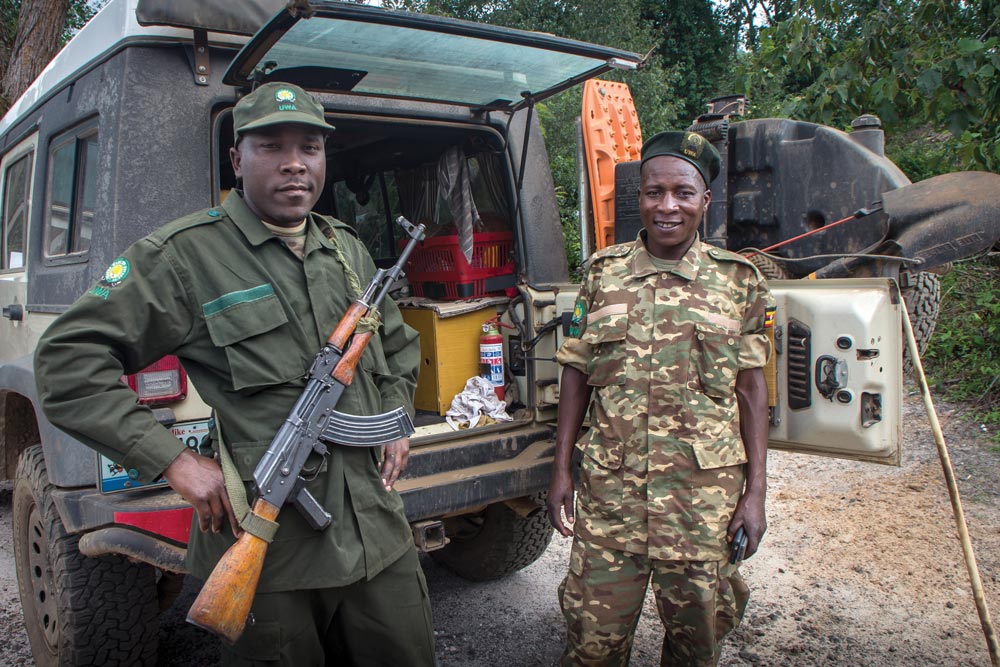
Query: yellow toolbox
<point x="449" y="354"/>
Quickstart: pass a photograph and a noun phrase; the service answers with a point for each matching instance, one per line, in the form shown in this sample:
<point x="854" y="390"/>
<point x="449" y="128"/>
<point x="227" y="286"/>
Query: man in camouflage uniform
<point x="668" y="336"/>
<point x="245" y="294"/>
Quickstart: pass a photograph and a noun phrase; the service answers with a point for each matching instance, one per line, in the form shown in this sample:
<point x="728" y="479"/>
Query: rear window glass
<point x="347" y="47"/>
<point x="371" y="204"/>
<point x="420" y="64"/>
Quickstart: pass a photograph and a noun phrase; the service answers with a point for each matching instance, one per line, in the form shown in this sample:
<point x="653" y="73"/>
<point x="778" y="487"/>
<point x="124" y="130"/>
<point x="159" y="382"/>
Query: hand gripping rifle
<point x="224" y="603"/>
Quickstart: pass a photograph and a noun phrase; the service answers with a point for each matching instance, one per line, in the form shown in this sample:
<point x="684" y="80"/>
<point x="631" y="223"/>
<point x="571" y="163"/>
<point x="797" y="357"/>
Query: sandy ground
<point x="861" y="566"/>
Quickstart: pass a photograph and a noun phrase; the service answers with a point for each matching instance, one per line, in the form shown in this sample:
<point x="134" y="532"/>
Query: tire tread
<point x="107" y="606"/>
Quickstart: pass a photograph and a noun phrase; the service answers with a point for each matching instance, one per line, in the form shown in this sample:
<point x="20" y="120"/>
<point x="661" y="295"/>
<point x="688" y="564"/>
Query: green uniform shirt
<point x="661" y="472"/>
<point x="246" y="318"/>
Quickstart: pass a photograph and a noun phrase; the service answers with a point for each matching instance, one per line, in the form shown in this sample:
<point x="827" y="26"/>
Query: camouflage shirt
<point x="662" y="471"/>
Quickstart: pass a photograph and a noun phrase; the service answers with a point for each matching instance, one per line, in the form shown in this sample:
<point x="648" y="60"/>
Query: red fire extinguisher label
<point x="491" y="362"/>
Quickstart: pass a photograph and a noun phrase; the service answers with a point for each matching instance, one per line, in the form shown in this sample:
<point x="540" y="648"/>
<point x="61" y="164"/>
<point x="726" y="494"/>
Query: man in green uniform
<point x="245" y="294"/>
<point x="668" y="338"/>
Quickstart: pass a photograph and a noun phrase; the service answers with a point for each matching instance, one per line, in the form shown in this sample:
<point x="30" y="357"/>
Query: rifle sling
<point x="254" y="524"/>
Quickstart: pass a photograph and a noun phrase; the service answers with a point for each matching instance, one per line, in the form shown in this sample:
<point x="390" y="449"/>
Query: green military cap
<point x="275" y="103"/>
<point x="687" y="146"/>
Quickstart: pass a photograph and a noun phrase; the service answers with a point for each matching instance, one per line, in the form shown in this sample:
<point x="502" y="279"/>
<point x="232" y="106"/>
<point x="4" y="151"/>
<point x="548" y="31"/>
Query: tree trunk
<point x="39" y="28"/>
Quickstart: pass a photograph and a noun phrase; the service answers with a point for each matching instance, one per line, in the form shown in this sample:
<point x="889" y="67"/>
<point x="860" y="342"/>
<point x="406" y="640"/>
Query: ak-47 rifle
<point x="224" y="603"/>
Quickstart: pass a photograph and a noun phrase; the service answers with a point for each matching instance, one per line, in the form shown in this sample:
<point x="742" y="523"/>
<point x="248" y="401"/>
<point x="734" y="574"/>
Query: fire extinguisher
<point x="491" y="355"/>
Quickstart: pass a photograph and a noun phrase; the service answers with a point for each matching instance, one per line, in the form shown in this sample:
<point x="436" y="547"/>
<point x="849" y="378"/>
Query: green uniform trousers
<point x="385" y="622"/>
<point x="602" y="596"/>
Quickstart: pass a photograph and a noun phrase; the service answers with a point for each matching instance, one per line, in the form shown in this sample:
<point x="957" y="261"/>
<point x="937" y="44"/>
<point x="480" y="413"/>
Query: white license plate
<point x="115" y="478"/>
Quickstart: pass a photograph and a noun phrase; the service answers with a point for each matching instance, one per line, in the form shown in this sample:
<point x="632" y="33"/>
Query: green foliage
<point x="923" y="153"/>
<point x="963" y="358"/>
<point x="8" y="28"/>
<point x="913" y="62"/>
<point x="693" y="46"/>
<point x="80" y="11"/>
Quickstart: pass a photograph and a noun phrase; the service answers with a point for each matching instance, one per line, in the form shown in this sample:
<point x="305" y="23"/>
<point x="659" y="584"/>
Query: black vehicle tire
<point x="771" y="269"/>
<point x="77" y="610"/>
<point x="923" y="301"/>
<point x="494" y="543"/>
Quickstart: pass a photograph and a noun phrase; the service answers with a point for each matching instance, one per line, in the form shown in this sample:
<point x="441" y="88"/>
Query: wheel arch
<point x="70" y="463"/>
<point x="19" y="430"/>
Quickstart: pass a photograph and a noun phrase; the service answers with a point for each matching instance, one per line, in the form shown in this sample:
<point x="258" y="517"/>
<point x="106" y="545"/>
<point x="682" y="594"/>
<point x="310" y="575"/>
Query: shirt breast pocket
<point x="256" y="343"/>
<point x="715" y="358"/>
<point x="607" y="336"/>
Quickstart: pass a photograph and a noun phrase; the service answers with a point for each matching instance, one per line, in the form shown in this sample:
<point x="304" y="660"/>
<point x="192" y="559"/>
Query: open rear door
<point x="839" y="368"/>
<point x="356" y="49"/>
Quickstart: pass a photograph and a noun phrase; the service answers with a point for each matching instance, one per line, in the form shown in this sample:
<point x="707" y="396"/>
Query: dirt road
<point x="861" y="567"/>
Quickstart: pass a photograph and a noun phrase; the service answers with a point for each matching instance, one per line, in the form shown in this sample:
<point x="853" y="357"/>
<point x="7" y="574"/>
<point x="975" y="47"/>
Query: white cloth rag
<point x="476" y="400"/>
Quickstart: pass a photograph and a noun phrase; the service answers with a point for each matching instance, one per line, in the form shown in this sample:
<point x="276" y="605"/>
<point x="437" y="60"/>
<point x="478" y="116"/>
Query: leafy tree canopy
<point x="916" y="63"/>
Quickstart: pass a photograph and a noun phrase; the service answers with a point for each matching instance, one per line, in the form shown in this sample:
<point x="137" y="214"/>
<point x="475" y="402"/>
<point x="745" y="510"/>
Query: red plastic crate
<point x="438" y="269"/>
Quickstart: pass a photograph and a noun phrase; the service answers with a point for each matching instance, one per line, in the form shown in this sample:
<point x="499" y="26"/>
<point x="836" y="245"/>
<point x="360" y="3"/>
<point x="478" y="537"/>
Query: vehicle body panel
<point x="852" y="328"/>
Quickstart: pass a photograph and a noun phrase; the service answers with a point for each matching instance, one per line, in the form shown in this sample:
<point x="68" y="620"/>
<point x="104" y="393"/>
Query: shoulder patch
<point x="579" y="314"/>
<point x="769" y="313"/>
<point x="113" y="276"/>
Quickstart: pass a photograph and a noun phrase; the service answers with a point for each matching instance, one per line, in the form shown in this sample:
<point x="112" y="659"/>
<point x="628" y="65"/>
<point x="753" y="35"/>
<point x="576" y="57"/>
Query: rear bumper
<point x="442" y="478"/>
<point x="450" y="478"/>
<point x="148" y="525"/>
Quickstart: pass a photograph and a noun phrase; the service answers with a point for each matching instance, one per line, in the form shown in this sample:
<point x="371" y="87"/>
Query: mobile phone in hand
<point x="739" y="546"/>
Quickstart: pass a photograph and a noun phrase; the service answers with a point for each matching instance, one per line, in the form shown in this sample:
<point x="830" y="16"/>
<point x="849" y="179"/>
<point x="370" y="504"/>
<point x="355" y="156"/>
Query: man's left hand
<point x="749" y="514"/>
<point x="395" y="456"/>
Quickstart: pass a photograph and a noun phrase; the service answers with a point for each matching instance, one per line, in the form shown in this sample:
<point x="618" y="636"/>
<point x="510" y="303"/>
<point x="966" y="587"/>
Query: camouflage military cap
<point x="687" y="146"/>
<point x="275" y="103"/>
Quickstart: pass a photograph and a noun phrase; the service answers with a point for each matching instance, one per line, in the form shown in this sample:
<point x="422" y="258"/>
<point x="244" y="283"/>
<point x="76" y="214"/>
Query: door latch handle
<point x="831" y="375"/>
<point x="14" y="312"/>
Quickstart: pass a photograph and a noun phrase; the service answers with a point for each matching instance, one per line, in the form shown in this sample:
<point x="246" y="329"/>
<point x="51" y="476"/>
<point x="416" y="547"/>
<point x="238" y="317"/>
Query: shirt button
<point x="731" y="341"/>
<point x="213" y="213"/>
<point x="701" y="336"/>
<point x="133" y="473"/>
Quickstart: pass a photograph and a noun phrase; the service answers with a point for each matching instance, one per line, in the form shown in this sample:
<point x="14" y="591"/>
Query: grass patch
<point x="963" y="358"/>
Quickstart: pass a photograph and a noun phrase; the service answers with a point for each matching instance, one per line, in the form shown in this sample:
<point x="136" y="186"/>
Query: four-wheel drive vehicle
<point x="130" y="126"/>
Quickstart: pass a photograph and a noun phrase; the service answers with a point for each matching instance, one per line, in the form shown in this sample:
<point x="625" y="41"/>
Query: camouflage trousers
<point x="602" y="596"/>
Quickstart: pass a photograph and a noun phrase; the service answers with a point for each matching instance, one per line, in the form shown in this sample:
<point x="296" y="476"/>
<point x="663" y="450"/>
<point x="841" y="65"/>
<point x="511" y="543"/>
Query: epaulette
<point x="204" y="217"/>
<point x="730" y="256"/>
<point x="612" y="251"/>
<point x="333" y="222"/>
<point x="619" y="250"/>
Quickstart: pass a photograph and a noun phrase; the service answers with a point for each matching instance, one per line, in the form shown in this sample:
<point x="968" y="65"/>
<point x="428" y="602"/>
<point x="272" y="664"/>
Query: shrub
<point x="963" y="358"/>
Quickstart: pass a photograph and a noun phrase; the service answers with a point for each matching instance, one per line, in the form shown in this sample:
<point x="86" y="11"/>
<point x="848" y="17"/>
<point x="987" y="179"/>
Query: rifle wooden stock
<point x="348" y="323"/>
<point x="224" y="602"/>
